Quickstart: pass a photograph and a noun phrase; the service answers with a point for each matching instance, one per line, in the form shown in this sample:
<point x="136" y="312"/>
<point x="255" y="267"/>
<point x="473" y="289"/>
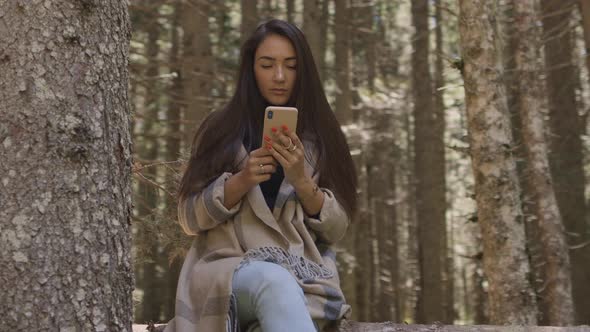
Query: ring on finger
<point x="290" y="144"/>
<point x="293" y="148"/>
<point x="261" y="168"/>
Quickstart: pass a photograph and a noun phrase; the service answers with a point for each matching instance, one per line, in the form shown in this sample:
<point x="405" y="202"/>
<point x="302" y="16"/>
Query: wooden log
<point x="352" y="326"/>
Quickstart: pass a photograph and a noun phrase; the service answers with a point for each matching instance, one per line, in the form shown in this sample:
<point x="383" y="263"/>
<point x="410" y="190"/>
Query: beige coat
<point x="250" y="231"/>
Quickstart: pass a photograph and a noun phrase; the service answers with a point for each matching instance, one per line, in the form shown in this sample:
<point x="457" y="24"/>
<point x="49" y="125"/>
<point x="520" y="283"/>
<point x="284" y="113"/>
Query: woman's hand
<point x="259" y="167"/>
<point x="288" y="150"/>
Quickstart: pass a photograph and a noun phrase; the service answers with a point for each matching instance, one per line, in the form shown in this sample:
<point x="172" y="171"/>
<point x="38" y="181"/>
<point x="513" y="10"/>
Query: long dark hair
<point x="219" y="138"/>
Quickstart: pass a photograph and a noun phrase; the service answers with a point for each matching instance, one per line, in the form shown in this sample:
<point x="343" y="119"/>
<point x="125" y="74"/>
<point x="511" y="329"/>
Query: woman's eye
<point x="292" y="67"/>
<point x="266" y="66"/>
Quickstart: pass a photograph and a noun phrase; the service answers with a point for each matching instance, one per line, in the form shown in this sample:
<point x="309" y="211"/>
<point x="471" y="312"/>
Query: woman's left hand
<point x="288" y="150"/>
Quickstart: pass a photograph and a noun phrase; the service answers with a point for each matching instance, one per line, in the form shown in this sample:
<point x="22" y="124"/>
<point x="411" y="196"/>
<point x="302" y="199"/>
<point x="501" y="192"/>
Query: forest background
<point x="467" y="121"/>
<point x="392" y="73"/>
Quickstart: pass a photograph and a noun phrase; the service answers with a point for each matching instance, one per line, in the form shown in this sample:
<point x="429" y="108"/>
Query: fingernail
<point x="268" y="146"/>
<point x="266" y="138"/>
<point x="285" y="128"/>
<point x="274" y="130"/>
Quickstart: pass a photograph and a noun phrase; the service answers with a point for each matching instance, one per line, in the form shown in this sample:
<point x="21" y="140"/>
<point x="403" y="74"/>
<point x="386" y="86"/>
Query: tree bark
<point x="312" y="18"/>
<point x="342" y="62"/>
<point x="428" y="164"/>
<point x="584" y="6"/>
<point x="511" y="297"/>
<point x="381" y="180"/>
<point x="249" y="18"/>
<point x="152" y="297"/>
<point x="65" y="207"/>
<point x="510" y="42"/>
<point x="439" y="169"/>
<point x="557" y="296"/>
<point x="197" y="68"/>
<point x="290" y="10"/>
<point x="566" y="149"/>
<point x="173" y="148"/>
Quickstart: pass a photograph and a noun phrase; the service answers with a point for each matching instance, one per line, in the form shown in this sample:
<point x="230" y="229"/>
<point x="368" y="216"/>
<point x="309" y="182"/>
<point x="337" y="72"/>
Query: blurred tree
<point x="197" y="66"/>
<point x="557" y="296"/>
<point x="173" y="140"/>
<point x="439" y="172"/>
<point x="565" y="145"/>
<point x="343" y="105"/>
<point x="249" y="18"/>
<point x="147" y="195"/>
<point x="429" y="175"/>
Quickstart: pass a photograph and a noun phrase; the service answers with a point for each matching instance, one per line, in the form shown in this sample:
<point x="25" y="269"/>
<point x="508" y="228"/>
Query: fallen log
<point x="352" y="326"/>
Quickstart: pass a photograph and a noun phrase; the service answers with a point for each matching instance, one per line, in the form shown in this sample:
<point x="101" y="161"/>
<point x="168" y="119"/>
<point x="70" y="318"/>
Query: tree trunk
<point x="359" y="231"/>
<point x="322" y="67"/>
<point x="566" y="150"/>
<point x="290" y="10"/>
<point x="584" y="6"/>
<point x="152" y="297"/>
<point x="368" y="37"/>
<point x="249" y="18"/>
<point x="380" y="179"/>
<point x="430" y="196"/>
<point x="312" y="18"/>
<point x="511" y="297"/>
<point x="66" y="165"/>
<point x="197" y="70"/>
<point x="557" y="296"/>
<point x="439" y="171"/>
<point x="173" y="142"/>
<point x="342" y="62"/>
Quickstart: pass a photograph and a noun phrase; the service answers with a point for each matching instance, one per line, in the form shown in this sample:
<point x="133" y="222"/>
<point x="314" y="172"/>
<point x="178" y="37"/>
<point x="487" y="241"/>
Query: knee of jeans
<point x="277" y="277"/>
<point x="264" y="275"/>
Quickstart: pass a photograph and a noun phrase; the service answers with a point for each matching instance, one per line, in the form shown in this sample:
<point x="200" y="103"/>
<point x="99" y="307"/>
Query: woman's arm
<point x="310" y="197"/>
<point x="235" y="188"/>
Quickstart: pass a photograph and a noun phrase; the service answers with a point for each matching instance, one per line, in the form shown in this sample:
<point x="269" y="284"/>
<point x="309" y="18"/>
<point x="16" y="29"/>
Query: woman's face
<point x="275" y="64"/>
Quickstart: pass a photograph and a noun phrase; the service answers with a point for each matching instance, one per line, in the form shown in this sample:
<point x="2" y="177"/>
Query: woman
<point x="265" y="217"/>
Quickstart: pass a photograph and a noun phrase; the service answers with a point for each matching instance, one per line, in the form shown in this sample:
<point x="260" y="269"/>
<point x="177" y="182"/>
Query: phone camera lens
<point x="270" y="114"/>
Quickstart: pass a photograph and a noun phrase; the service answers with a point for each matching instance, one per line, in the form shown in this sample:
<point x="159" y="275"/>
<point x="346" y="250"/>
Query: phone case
<point x="276" y="116"/>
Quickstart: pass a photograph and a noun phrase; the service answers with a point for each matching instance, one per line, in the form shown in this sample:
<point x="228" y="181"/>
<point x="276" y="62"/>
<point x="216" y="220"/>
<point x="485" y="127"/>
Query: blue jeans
<point x="270" y="300"/>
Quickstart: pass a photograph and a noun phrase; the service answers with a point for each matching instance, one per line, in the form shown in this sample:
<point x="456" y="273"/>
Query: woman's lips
<point x="278" y="92"/>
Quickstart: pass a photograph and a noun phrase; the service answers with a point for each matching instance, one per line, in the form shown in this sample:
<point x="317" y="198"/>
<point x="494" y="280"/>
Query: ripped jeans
<point x="270" y="300"/>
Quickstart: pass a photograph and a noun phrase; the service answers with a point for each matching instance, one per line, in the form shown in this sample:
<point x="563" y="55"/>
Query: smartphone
<point x="276" y="116"/>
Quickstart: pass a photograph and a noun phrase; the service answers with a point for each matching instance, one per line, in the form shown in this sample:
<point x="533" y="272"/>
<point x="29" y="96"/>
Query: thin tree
<point x="429" y="169"/>
<point x="557" y="294"/>
<point x="249" y="18"/>
<point x="511" y="297"/>
<point x="439" y="172"/>
<point x="342" y="61"/>
<point x="66" y="167"/>
<point x="565" y="145"/>
<point x="148" y="279"/>
<point x="197" y="65"/>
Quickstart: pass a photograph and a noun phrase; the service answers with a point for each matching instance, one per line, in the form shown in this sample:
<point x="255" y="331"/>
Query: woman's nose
<point x="279" y="76"/>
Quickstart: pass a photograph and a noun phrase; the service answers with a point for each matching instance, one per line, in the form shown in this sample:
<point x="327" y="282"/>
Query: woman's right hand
<point x="259" y="167"/>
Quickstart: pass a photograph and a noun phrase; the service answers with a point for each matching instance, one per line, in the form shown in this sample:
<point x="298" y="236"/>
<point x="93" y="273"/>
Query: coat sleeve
<point x="332" y="223"/>
<point x="205" y="210"/>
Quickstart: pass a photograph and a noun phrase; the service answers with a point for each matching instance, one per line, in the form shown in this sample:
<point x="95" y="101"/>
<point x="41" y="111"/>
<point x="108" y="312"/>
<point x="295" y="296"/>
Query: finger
<point x="294" y="138"/>
<point x="279" y="157"/>
<point x="280" y="137"/>
<point x="262" y="160"/>
<point x="260" y="152"/>
<point x="287" y="155"/>
<point x="262" y="177"/>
